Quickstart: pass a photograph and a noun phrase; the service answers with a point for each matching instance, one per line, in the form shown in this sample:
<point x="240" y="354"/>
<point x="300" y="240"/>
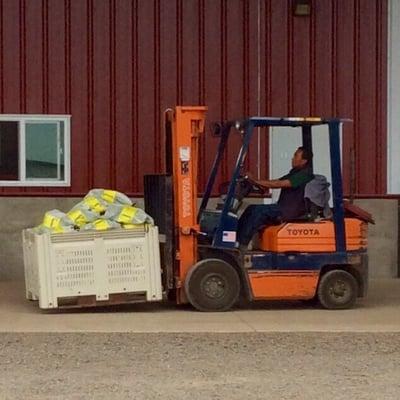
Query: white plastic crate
<point x="104" y="264"/>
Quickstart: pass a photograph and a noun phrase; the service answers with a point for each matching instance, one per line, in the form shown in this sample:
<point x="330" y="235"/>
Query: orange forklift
<point x="308" y="259"/>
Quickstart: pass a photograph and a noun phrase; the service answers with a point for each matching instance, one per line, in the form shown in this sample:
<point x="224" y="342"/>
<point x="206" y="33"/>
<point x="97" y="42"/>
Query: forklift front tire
<point x="337" y="290"/>
<point x="212" y="285"/>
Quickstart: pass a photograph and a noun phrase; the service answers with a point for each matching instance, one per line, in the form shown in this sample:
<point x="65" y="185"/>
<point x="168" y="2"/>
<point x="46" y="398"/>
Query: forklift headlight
<point x="240" y="125"/>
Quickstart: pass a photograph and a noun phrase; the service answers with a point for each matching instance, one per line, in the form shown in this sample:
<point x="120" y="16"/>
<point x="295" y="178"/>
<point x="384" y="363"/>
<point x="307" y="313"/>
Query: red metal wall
<point x="115" y="65"/>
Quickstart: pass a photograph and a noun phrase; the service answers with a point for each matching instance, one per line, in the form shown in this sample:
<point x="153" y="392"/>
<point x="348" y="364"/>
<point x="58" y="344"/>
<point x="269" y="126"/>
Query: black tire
<point x="212" y="285"/>
<point x="337" y="290"/>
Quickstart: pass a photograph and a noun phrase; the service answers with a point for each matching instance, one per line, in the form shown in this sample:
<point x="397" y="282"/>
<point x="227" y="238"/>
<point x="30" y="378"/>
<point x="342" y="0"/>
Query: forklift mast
<point x="171" y="198"/>
<point x="187" y="126"/>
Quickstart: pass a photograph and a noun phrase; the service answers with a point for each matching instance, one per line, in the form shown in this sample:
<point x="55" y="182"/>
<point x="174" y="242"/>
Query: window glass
<point x="42" y="151"/>
<point x="9" y="153"/>
<point x="283" y="143"/>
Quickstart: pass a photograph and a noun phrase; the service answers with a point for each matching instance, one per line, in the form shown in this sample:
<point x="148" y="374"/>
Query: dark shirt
<point x="291" y="200"/>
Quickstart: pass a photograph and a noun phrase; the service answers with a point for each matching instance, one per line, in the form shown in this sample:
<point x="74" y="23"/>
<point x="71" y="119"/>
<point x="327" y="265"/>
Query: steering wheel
<point x="250" y="185"/>
<point x="244" y="187"/>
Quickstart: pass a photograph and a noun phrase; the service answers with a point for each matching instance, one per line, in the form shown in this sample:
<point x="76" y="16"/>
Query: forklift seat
<point x="316" y="199"/>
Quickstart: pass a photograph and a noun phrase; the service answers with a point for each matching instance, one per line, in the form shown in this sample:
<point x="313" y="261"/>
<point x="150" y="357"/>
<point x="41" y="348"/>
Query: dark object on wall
<point x="302" y="8"/>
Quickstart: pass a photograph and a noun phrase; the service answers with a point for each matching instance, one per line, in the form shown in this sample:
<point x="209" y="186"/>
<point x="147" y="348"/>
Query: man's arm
<point x="295" y="180"/>
<point x="274" y="183"/>
<point x="270" y="184"/>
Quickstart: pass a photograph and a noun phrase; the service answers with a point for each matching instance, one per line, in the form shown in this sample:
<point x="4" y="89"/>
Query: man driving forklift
<point x="291" y="202"/>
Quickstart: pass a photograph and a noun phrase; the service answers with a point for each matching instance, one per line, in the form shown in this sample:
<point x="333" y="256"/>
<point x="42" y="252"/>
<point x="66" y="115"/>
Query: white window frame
<point x="393" y="101"/>
<point x="23" y="119"/>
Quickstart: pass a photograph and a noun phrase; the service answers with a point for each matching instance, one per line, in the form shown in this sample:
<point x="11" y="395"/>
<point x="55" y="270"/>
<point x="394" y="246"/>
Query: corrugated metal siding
<point x="116" y="65"/>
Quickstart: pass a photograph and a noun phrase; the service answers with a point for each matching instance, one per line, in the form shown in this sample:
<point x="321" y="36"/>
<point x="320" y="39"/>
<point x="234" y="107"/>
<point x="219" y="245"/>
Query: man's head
<point x="302" y="158"/>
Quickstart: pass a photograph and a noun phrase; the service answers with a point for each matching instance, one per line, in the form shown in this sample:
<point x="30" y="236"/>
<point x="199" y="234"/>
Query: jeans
<point x="254" y="218"/>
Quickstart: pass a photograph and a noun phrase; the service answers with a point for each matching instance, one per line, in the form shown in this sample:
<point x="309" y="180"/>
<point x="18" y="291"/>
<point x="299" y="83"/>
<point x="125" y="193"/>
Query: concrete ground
<point x="379" y="312"/>
<point x="274" y="351"/>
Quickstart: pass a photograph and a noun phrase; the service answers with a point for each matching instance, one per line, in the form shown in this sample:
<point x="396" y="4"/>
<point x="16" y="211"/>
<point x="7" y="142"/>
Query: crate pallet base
<point x="91" y="301"/>
<point x="88" y="269"/>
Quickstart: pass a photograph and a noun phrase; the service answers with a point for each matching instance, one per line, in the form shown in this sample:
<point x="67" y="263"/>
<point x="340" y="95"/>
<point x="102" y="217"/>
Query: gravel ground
<point x="200" y="366"/>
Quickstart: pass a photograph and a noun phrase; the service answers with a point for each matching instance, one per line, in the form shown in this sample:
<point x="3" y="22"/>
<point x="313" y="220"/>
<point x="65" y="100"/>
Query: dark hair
<point x="306" y="154"/>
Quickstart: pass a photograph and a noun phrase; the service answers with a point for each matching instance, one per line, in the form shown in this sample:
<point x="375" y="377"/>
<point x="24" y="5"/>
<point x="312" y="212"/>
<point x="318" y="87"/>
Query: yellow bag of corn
<point x="110" y="196"/>
<point x="132" y="226"/>
<point x="56" y="221"/>
<point x="113" y="210"/>
<point x="133" y="215"/>
<point x="81" y="216"/>
<point x="94" y="204"/>
<point x="101" y="225"/>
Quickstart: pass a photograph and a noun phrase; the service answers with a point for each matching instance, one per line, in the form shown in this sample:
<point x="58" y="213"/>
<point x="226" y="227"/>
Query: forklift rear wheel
<point x="212" y="285"/>
<point x="337" y="290"/>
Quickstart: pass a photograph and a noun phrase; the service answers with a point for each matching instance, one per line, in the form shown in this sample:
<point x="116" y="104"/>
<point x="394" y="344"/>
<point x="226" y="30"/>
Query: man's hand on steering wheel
<point x="246" y="184"/>
<point x="255" y="186"/>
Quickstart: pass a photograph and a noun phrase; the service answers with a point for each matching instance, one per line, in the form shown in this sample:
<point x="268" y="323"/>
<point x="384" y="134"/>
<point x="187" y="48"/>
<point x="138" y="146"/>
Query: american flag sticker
<point x="229" y="236"/>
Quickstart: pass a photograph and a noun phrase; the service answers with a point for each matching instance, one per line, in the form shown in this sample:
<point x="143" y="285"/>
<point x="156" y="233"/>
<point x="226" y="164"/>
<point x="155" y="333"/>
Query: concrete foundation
<point x="19" y="213"/>
<point x="383" y="238"/>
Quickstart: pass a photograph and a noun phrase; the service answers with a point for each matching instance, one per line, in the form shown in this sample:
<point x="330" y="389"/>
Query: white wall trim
<point x="393" y="101"/>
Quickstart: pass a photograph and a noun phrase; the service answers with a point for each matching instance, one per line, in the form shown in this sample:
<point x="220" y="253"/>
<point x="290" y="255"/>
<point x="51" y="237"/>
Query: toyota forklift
<point x="312" y="258"/>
